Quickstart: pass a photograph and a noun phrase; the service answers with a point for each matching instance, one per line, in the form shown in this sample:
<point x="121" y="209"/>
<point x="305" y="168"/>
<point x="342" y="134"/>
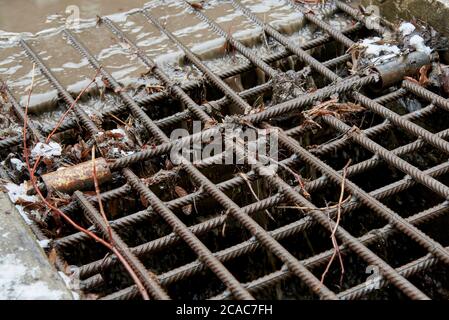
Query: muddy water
<point x="45" y="19"/>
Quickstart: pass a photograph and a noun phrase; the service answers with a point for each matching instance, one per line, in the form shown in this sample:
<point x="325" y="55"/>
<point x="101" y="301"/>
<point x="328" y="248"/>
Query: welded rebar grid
<point x="285" y="191"/>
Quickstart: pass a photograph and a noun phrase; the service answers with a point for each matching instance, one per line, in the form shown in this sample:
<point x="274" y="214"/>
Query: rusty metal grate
<point x="230" y="247"/>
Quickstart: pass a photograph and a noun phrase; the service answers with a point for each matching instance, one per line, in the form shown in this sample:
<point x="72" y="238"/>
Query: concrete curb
<point x="25" y="271"/>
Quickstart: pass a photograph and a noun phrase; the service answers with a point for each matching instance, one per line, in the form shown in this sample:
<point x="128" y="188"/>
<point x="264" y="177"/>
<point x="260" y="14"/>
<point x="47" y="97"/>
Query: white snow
<point x="122" y="135"/>
<point x="417" y="42"/>
<point x="15" y="284"/>
<point x="18" y="192"/>
<point x="18" y="164"/>
<point x="406" y="28"/>
<point x="119" y="131"/>
<point x="69" y="283"/>
<point x="44" y="243"/>
<point x="372" y="49"/>
<point x="24" y="215"/>
<point x="46" y="150"/>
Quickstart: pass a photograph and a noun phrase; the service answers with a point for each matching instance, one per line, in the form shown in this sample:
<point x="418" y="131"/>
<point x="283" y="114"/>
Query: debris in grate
<point x="313" y="154"/>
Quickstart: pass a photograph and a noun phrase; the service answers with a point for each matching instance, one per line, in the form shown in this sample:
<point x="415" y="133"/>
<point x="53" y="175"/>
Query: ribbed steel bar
<point x="203" y="253"/>
<point x="372" y="131"/>
<point x="369" y="256"/>
<point x="392" y="217"/>
<point x="71" y="123"/>
<point x="246" y="52"/>
<point x="20" y="113"/>
<point x="262" y="88"/>
<point x="426" y="94"/>
<point x="10" y="142"/>
<point x="334" y="145"/>
<point x="234" y="210"/>
<point x="308" y="99"/>
<point x="366" y="254"/>
<point x="280" y="233"/>
<point x="132" y="105"/>
<point x="310" y="186"/>
<point x="377" y="129"/>
<point x="303" y="55"/>
<point x="387" y="271"/>
<point x="34" y="132"/>
<point x="369" y="238"/>
<point x="270" y="202"/>
<point x="257" y="231"/>
<point x="172" y="87"/>
<point x="130" y="220"/>
<point x="262" y="235"/>
<point x="389" y="157"/>
<point x="80" y="114"/>
<point x="149" y="281"/>
<point x="222" y="273"/>
<point x="414" y="233"/>
<point x="213" y="78"/>
<point x="407" y="270"/>
<point x="337" y="35"/>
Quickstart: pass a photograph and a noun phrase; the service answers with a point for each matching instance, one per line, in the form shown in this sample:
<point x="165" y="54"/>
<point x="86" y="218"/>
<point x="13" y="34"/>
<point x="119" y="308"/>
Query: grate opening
<point x="202" y="230"/>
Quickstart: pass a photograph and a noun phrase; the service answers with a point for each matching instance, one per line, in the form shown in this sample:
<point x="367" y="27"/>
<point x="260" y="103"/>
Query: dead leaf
<point x="411" y="79"/>
<point x="423" y="75"/>
<point x="168" y="164"/>
<point x="181" y="192"/>
<point x="52" y="256"/>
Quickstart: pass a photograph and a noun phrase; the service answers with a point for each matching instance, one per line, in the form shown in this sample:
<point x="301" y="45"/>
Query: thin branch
<point x="313" y="208"/>
<point x="337" y="223"/>
<point x="245" y="177"/>
<point x="97" y="191"/>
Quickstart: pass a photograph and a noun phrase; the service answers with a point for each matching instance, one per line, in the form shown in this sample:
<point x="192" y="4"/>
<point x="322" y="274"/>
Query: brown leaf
<point x="52" y="256"/>
<point x="144" y="201"/>
<point x="168" y="164"/>
<point x="423" y="72"/>
<point x="181" y="192"/>
<point x="411" y="79"/>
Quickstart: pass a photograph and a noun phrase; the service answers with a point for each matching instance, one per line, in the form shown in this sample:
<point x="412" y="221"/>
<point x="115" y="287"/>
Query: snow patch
<point x="18" y="193"/>
<point x="44" y="243"/>
<point x="24" y="215"/>
<point x="373" y="49"/>
<point x="46" y="150"/>
<point x="418" y="43"/>
<point x="19" y="282"/>
<point x="69" y="284"/>
<point x="18" y="164"/>
<point x="119" y="131"/>
<point x="406" y="28"/>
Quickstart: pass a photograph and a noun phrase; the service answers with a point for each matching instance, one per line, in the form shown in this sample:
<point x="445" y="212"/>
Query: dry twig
<point x="334" y="239"/>
<point x="245" y="177"/>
